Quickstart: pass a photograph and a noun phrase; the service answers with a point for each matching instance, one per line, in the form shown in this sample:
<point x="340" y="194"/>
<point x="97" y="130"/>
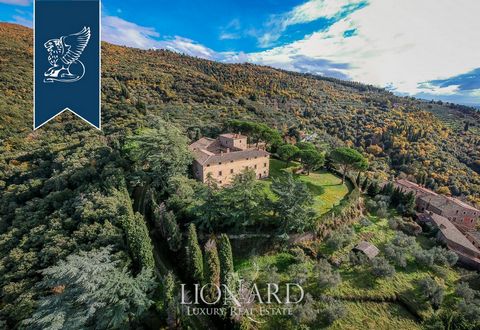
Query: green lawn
<point x="371" y="315"/>
<point x="326" y="188"/>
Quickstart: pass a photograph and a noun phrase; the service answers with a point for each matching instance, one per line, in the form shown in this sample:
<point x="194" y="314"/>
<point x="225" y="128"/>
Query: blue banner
<point x="67" y="60"/>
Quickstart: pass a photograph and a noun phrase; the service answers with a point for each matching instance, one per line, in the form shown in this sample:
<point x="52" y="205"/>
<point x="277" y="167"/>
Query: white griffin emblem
<point x="64" y="54"/>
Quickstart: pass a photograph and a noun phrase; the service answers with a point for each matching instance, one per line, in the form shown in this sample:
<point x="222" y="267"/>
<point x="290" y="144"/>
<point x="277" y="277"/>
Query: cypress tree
<point x="387" y="189"/>
<point x="358" y="181"/>
<point x="172" y="231"/>
<point x="396" y="197"/>
<point x="409" y="203"/>
<point x="194" y="255"/>
<point x="212" y="269"/>
<point x="226" y="259"/>
<point x="373" y="189"/>
<point x="365" y="184"/>
<point x="169" y="303"/>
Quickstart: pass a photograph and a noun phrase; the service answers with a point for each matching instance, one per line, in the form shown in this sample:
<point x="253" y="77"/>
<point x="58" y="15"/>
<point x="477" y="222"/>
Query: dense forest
<point x="68" y="188"/>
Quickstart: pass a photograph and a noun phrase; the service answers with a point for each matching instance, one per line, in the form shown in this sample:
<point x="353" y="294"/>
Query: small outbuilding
<point x="366" y="248"/>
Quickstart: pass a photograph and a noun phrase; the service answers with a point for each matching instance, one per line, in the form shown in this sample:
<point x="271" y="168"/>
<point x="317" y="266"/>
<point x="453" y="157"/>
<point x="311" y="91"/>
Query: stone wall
<point x="225" y="172"/>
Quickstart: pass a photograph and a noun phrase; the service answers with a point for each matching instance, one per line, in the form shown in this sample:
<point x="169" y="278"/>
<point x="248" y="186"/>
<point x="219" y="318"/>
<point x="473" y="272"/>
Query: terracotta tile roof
<point x="432" y="197"/>
<point x="446" y="203"/>
<point x="449" y="230"/>
<point x="461" y="204"/>
<point x="233" y="136"/>
<point x="210" y="151"/>
<point x="203" y="143"/>
<point x="410" y="186"/>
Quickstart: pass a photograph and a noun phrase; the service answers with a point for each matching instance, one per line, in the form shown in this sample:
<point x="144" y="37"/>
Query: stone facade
<point x="468" y="254"/>
<point x="456" y="221"/>
<point x="226" y="156"/>
<point x="462" y="215"/>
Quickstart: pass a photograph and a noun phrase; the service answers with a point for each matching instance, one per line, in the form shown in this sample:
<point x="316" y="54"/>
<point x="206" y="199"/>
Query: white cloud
<point x="121" y="32"/>
<point x="231" y="31"/>
<point x="16" y="2"/>
<point x="436" y="90"/>
<point x="307" y="12"/>
<point x="22" y="20"/>
<point x="398" y="43"/>
<point x="315" y="9"/>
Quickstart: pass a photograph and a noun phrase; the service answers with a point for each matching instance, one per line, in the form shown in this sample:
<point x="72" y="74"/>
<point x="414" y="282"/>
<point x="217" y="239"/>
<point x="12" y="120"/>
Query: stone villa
<point x="456" y="220"/>
<point x="226" y="156"/>
<point x="462" y="215"/>
<point x="453" y="238"/>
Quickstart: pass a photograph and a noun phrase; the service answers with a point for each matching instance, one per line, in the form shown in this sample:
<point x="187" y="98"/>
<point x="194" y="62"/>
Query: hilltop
<point x="67" y="188"/>
<point x="434" y="143"/>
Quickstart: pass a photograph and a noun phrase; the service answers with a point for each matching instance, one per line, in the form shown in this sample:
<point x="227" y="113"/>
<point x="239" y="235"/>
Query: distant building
<point x="461" y="214"/>
<point x="456" y="220"/>
<point x="454" y="239"/>
<point x="226" y="156"/>
<point x="366" y="248"/>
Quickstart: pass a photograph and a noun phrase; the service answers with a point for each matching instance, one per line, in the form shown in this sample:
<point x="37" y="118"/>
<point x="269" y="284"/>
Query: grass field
<point x="371" y="302"/>
<point x="326" y="188"/>
<point x="369" y="315"/>
<point x="377" y="310"/>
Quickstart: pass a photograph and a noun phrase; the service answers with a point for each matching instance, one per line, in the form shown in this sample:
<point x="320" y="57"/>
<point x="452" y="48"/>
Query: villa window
<point x="231" y="171"/>
<point x="255" y="166"/>
<point x="208" y="165"/>
<point x="247" y="158"/>
<point x="219" y="173"/>
<point x="219" y="163"/>
<point x="264" y="164"/>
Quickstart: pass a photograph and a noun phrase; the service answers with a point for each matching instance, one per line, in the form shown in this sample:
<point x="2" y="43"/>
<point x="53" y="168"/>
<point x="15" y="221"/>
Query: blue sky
<point x="423" y="48"/>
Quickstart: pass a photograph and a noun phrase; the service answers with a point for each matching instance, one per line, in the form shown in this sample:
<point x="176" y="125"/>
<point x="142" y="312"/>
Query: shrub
<point x="436" y="255"/>
<point x="340" y="239"/>
<point x="365" y="222"/>
<point x="382" y="268"/>
<point x="306" y="313"/>
<point x="299" y="255"/>
<point x="396" y="254"/>
<point x="424" y="257"/>
<point x="393" y="223"/>
<point x="464" y="291"/>
<point x="326" y="276"/>
<point x="298" y="273"/>
<point x="331" y="310"/>
<point x="433" y="292"/>
<point x="357" y="258"/>
<point x="403" y="240"/>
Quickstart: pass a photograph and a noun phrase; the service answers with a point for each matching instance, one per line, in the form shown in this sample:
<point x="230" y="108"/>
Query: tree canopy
<point x="348" y="159"/>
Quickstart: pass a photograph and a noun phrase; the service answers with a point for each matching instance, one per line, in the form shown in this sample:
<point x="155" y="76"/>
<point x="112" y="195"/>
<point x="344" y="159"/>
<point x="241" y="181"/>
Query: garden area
<point x="411" y="281"/>
<point x="326" y="188"/>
